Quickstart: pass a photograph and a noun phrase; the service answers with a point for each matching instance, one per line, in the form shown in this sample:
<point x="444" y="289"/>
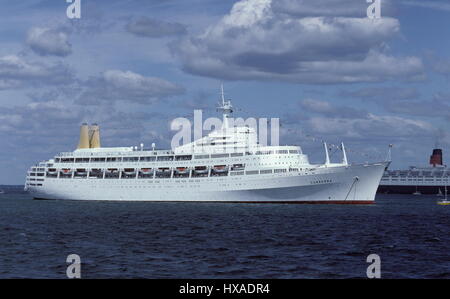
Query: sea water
<point x="221" y="240"/>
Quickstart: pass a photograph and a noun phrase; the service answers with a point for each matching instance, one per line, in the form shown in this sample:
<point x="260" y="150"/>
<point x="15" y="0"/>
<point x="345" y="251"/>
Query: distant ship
<point x="433" y="179"/>
<point x="444" y="201"/>
<point x="227" y="165"/>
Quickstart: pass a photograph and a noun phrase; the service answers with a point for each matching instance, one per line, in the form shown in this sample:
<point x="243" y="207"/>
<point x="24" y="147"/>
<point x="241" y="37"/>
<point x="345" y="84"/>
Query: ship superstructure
<point x="227" y="165"/>
<point x="433" y="179"/>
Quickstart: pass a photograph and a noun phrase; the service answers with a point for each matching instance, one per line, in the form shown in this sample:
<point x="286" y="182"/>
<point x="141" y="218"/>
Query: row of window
<point x="123" y="159"/>
<point x="36" y="174"/>
<point x="166" y="158"/>
<point x="418" y="174"/>
<point x="320" y="182"/>
<point x="419" y="179"/>
<point x="132" y="173"/>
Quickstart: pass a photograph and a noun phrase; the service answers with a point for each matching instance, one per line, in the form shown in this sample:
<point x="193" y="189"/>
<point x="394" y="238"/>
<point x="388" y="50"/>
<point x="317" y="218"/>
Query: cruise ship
<point x="433" y="179"/>
<point x="226" y="165"/>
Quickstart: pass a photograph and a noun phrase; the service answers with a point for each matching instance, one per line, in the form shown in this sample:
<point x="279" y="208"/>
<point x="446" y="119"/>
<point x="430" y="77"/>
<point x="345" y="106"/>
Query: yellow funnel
<point x="84" y="136"/>
<point x="94" y="136"/>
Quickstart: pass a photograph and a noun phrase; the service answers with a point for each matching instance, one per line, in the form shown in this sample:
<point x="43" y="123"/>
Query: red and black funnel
<point x="436" y="157"/>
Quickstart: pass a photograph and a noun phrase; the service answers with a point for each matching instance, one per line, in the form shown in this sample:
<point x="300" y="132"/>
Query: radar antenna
<point x="226" y="108"/>
<point x="222" y="94"/>
<point x="389" y="154"/>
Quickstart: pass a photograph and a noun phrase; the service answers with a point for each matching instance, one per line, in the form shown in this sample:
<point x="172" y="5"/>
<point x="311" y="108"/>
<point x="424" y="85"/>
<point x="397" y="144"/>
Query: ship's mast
<point x="327" y="156"/>
<point x="222" y="94"/>
<point x="225" y="107"/>
<point x="344" y="155"/>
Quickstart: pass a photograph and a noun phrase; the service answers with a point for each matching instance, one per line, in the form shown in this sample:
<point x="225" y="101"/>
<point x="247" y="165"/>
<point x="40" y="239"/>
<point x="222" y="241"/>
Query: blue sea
<point x="208" y="240"/>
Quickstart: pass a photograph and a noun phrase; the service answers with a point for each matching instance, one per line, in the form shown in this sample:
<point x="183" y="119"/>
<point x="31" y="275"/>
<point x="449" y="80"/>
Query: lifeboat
<point x="182" y="170"/>
<point x="129" y="171"/>
<point x="66" y="171"/>
<point x="112" y="173"/>
<point x="52" y="171"/>
<point x="146" y="172"/>
<point x="163" y="171"/>
<point x="220" y="168"/>
<point x="81" y="172"/>
<point x="96" y="173"/>
<point x="201" y="170"/>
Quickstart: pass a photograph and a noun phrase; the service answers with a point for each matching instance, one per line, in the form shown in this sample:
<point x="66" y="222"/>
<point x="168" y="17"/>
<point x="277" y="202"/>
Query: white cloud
<point x="326" y="108"/>
<point x="374" y="126"/>
<point x="382" y="93"/>
<point x="255" y="42"/>
<point x="16" y="72"/>
<point x="47" y="42"/>
<point x="325" y="119"/>
<point x="146" y="27"/>
<point x="434" y="108"/>
<point x="348" y="8"/>
<point x="115" y="85"/>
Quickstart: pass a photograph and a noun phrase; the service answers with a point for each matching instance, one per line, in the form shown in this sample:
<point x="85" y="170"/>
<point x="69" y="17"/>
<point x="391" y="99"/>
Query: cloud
<point x="403" y="101"/>
<point x="49" y="42"/>
<point x="365" y="134"/>
<point x="117" y="85"/>
<point x="38" y="130"/>
<point x="317" y="8"/>
<point x="38" y="127"/>
<point x="200" y="99"/>
<point x="438" y="64"/>
<point x="146" y="27"/>
<point x="322" y="118"/>
<point x="382" y="93"/>
<point x="61" y="123"/>
<point x="438" y="5"/>
<point x="325" y="108"/>
<point x="254" y="42"/>
<point x="17" y="72"/>
<point x="373" y="126"/>
<point x="436" y="107"/>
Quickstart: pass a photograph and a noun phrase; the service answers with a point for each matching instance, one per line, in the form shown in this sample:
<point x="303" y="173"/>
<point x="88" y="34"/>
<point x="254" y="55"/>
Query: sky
<point x="325" y="69"/>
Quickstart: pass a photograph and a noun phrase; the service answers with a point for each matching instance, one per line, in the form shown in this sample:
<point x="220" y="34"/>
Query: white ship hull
<point x="350" y="184"/>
